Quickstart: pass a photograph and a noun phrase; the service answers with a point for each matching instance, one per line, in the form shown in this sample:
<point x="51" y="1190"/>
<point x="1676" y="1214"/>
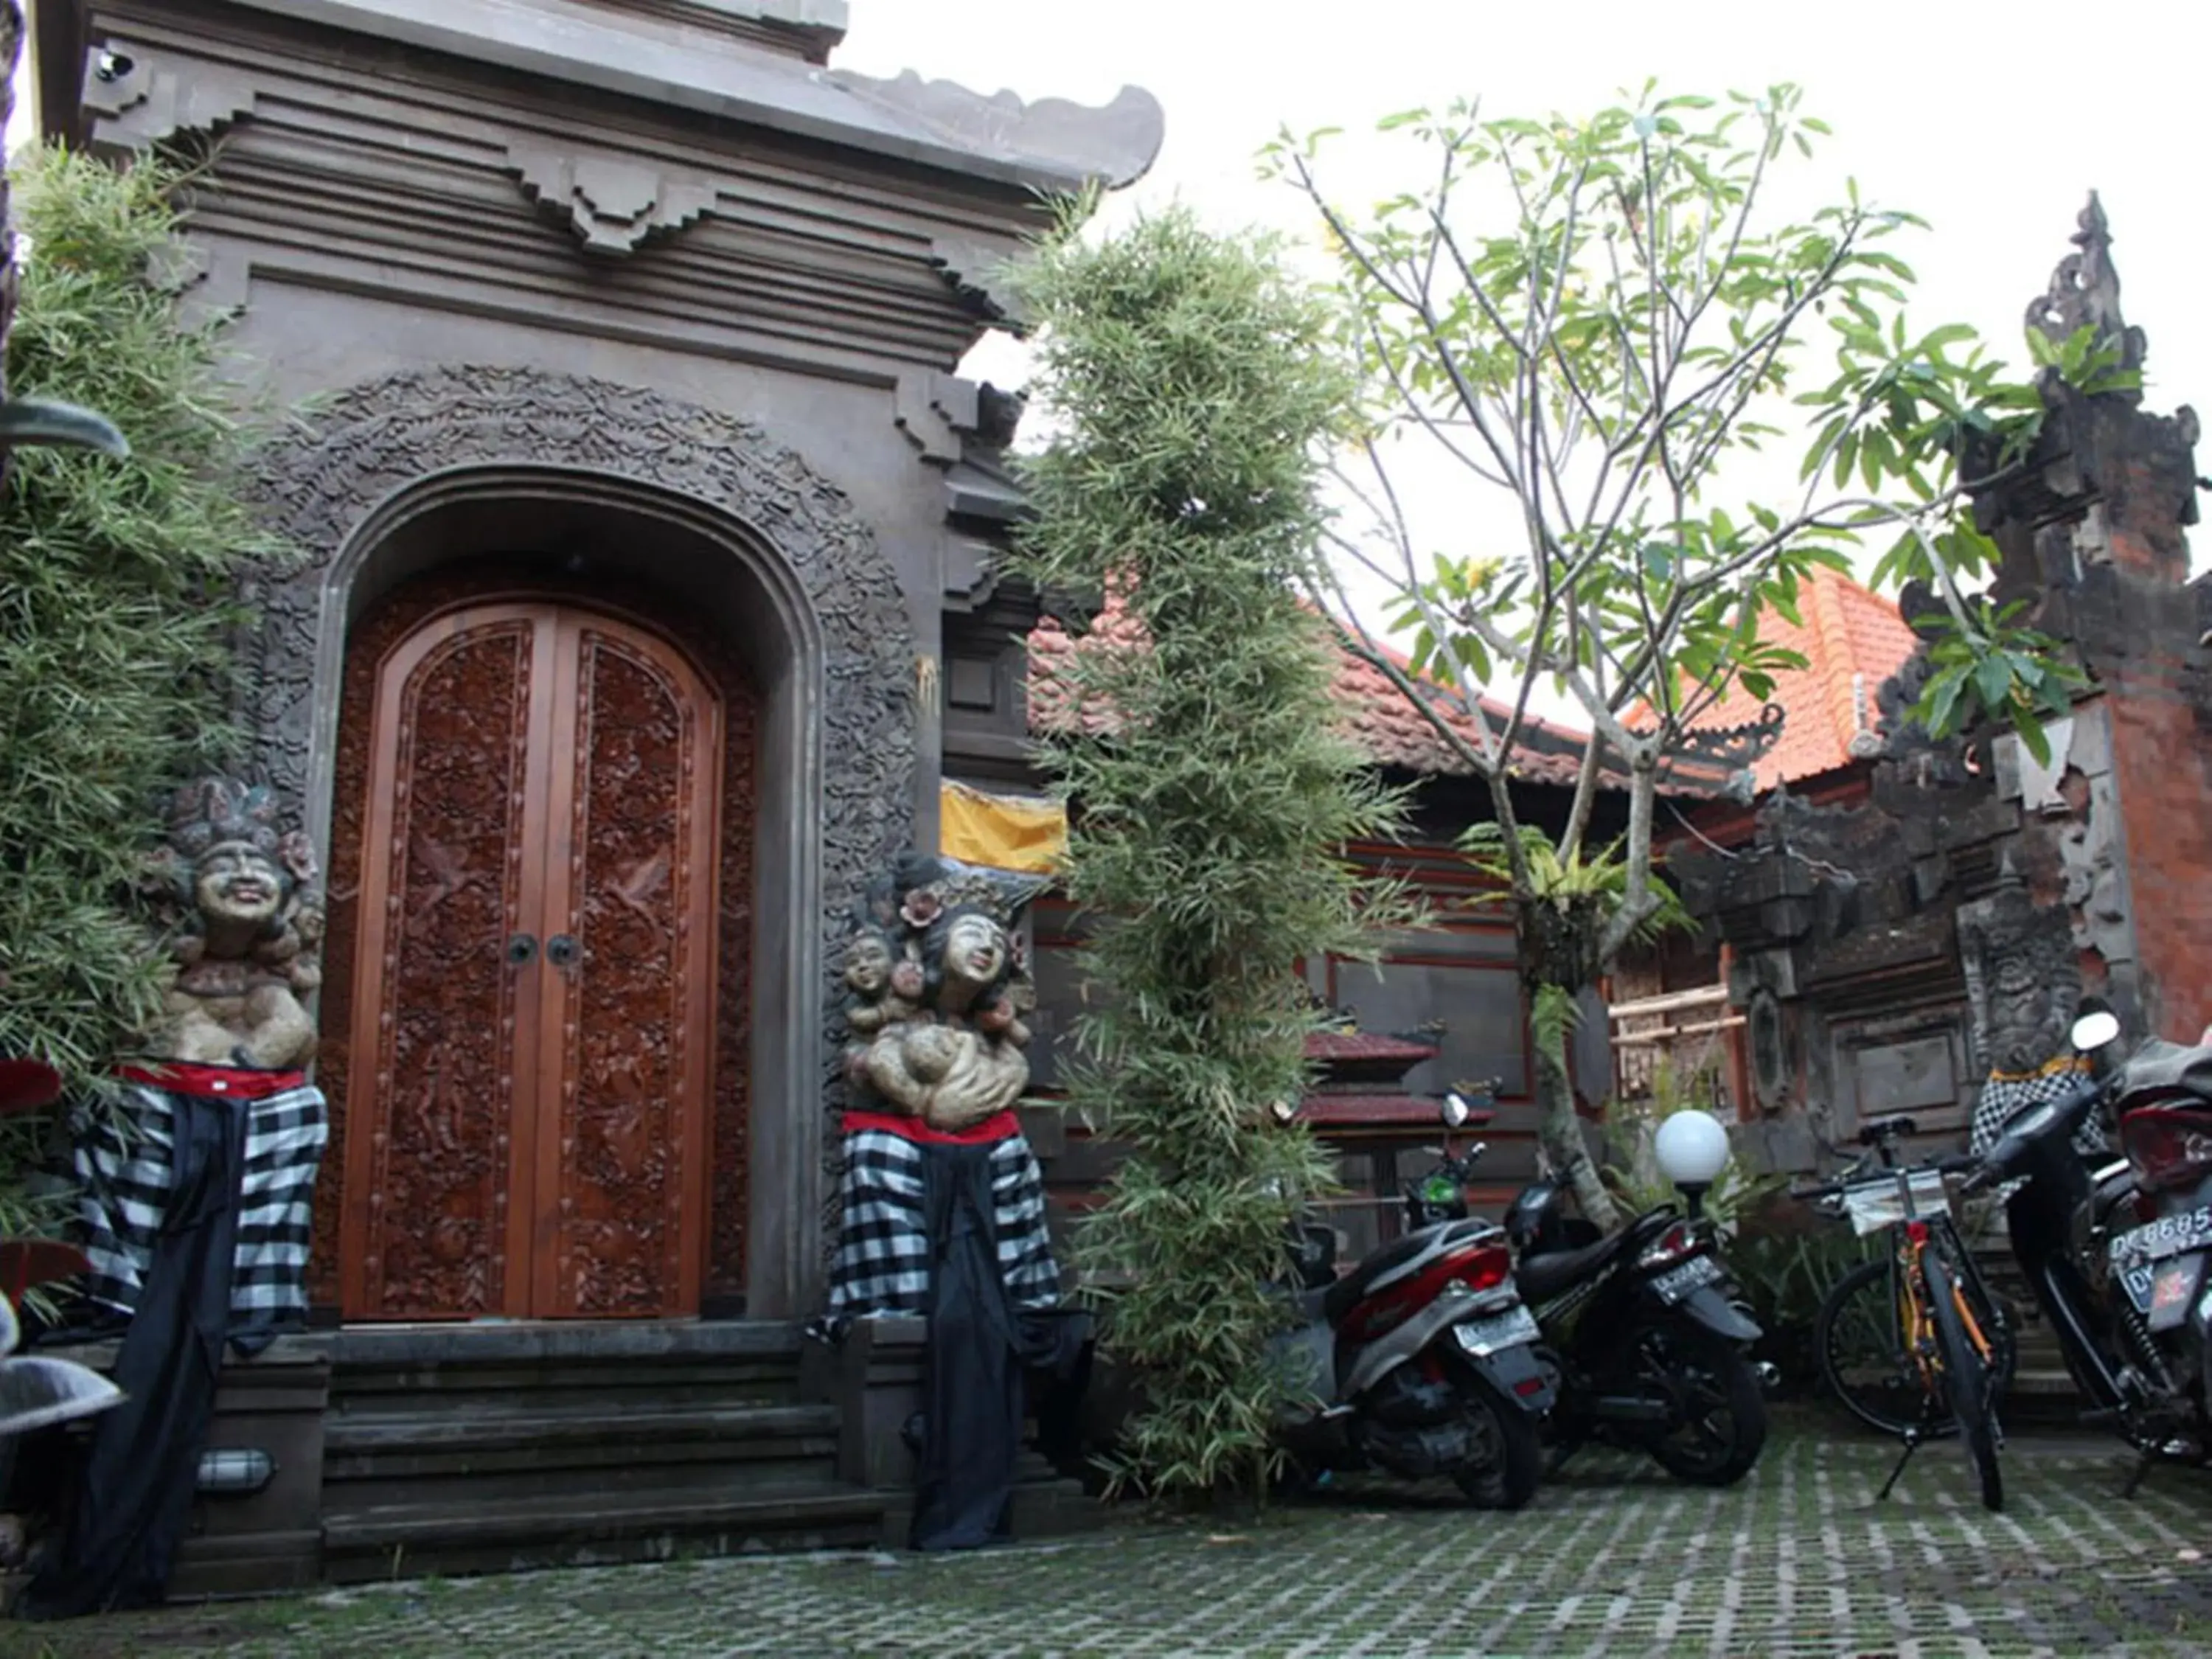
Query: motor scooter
<point x="1643" y="1331"/>
<point x="2161" y="1096"/>
<point x="2065" y="1219"/>
<point x="1419" y="1361"/>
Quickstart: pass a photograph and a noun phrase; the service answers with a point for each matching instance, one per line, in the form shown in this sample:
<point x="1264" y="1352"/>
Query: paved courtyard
<point x="1610" y="1560"/>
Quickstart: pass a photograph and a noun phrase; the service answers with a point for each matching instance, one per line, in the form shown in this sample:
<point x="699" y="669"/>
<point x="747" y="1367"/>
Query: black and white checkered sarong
<point x="124" y="1167"/>
<point x="2008" y="1094"/>
<point x="882" y="1261"/>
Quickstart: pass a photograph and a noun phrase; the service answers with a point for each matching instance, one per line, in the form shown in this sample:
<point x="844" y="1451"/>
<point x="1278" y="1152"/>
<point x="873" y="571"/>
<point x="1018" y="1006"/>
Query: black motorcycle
<point x="2064" y="1219"/>
<point x="1644" y="1337"/>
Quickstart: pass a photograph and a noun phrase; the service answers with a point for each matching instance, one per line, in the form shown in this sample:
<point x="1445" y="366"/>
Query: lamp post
<point x="1692" y="1149"/>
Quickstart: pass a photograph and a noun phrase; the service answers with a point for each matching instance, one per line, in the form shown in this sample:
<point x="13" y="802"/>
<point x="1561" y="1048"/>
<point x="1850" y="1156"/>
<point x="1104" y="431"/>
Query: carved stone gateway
<point x="838" y="768"/>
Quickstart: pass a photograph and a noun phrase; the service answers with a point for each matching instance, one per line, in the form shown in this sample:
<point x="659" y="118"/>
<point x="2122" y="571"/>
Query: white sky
<point x="1991" y="121"/>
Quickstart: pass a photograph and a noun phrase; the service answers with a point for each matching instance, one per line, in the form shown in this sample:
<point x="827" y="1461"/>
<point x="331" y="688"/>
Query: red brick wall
<point x="2162" y="763"/>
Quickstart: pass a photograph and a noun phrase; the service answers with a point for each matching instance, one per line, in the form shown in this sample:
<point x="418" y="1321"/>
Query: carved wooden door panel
<point x="534" y="974"/>
<point x="626" y="1013"/>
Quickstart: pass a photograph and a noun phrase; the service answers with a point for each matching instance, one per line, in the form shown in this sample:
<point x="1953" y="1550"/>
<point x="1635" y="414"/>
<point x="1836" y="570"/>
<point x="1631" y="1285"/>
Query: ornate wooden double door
<point x="533" y="974"/>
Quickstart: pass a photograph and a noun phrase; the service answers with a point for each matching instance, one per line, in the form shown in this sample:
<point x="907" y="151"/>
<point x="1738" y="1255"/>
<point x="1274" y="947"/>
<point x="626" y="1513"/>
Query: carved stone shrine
<point x="641" y="592"/>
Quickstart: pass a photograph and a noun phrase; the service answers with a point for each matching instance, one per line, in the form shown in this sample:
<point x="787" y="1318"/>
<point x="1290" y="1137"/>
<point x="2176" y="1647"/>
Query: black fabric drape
<point x="982" y="1352"/>
<point x="133" y="1499"/>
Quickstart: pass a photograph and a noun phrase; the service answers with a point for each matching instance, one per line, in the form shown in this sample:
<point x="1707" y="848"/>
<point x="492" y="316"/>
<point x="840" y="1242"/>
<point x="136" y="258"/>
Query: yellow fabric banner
<point x="1004" y="832"/>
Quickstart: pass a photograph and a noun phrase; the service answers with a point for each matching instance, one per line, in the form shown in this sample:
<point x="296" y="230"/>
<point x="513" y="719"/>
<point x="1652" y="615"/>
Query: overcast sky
<point x="1992" y="121"/>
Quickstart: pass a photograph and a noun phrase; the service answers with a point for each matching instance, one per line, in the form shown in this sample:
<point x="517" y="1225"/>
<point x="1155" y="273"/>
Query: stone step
<point x="587" y="1526"/>
<point x="433" y="1451"/>
<point x="756" y="1358"/>
<point x="366" y="1433"/>
<point x="529" y="1447"/>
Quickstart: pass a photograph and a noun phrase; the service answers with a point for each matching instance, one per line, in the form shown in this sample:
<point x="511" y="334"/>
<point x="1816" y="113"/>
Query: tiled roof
<point x="1388" y="730"/>
<point x="1326" y="1045"/>
<point x="1369" y="1111"/>
<point x="1852" y="640"/>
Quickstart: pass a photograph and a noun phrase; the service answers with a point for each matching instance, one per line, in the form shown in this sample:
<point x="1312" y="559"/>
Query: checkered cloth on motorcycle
<point x="2008" y="1094"/>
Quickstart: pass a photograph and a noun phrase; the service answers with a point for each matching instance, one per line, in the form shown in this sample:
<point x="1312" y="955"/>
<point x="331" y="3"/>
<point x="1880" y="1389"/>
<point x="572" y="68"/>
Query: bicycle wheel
<point x="1859" y="1345"/>
<point x="1966" y="1381"/>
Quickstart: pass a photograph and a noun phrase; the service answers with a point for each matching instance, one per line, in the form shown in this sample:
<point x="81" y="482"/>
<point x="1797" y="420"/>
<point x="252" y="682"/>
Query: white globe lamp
<point x="1692" y="1149"/>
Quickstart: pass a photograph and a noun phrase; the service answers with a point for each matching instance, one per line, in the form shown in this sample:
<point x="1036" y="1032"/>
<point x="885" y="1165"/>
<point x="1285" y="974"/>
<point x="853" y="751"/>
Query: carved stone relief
<point x="940" y="992"/>
<point x="244" y="926"/>
<point x="2022" y="977"/>
<point x="613" y="204"/>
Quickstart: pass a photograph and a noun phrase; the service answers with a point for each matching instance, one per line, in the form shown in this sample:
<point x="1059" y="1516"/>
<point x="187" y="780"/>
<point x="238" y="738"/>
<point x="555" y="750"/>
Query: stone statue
<point x="2024" y="980"/>
<point x="238" y="895"/>
<point x="938" y="990"/>
<point x="2022" y="977"/>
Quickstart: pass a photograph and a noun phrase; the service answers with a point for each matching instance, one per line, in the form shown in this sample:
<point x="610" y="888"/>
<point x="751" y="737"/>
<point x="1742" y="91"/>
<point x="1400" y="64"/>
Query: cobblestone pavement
<point x="1610" y="1560"/>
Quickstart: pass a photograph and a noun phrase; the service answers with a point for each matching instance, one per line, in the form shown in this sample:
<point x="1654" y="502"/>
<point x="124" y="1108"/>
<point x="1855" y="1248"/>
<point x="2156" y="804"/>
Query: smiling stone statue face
<point x="238" y="883"/>
<point x="976" y="949"/>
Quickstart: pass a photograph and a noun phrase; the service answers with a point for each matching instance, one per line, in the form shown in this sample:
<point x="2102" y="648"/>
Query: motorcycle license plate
<point x="2164" y="1292"/>
<point x="1695" y="1274"/>
<point x="1506" y="1330"/>
<point x="2169" y="1235"/>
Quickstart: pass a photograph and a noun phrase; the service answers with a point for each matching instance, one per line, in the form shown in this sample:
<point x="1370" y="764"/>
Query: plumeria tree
<point x="1601" y="323"/>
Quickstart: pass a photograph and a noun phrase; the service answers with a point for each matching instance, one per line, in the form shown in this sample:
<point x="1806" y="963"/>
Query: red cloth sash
<point x="1000" y="1126"/>
<point x="228" y="1082"/>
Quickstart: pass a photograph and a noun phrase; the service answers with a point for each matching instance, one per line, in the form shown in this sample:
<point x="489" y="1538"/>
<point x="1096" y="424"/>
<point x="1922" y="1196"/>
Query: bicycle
<point x="1942" y="1335"/>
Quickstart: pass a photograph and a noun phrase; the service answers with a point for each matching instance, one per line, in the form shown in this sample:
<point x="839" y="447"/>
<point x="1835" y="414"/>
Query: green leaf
<point x="1993" y="680"/>
<point x="1940" y="699"/>
<point x="2032" y="736"/>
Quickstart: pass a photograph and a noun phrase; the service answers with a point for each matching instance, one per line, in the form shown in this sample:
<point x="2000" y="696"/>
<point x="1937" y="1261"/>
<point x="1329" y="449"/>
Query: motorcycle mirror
<point x="2094" y="1031"/>
<point x="1456" y="1111"/>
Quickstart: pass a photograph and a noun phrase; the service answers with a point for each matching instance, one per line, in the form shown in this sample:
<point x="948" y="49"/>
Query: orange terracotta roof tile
<point x="1387" y="729"/>
<point x="1852" y="640"/>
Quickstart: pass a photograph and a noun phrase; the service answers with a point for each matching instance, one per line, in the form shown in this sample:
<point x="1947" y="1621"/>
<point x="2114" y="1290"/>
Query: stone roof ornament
<point x="2085" y="292"/>
<point x="650" y="54"/>
<point x="1114" y="144"/>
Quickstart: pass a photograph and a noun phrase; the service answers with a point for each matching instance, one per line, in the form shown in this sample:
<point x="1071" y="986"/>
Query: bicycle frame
<point x="1909" y="1284"/>
<point x="1915" y="1318"/>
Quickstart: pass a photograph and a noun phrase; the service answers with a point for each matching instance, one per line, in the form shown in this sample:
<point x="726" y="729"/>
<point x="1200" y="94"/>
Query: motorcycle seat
<point x="1542" y="1277"/>
<point x="1349" y="1291"/>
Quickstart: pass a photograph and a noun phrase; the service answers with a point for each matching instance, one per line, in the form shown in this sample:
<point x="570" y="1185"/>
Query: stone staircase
<point x="495" y="1448"/>
<point x="2043" y="1392"/>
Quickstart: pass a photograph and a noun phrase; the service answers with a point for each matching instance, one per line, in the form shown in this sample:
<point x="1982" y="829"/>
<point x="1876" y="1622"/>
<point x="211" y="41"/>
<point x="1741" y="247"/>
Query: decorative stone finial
<point x="2085" y="292"/>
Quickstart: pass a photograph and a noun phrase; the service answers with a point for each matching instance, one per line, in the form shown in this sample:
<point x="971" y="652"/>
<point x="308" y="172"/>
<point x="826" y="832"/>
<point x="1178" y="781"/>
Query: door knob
<point x="563" y="952"/>
<point x="521" y="949"/>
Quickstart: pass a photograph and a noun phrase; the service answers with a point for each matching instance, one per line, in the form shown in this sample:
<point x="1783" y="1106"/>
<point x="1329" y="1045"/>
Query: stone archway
<point x="352" y="489"/>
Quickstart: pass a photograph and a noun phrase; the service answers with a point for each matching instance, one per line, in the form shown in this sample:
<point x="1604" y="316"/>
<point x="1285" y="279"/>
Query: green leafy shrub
<point x="115" y="620"/>
<point x="1192" y="385"/>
